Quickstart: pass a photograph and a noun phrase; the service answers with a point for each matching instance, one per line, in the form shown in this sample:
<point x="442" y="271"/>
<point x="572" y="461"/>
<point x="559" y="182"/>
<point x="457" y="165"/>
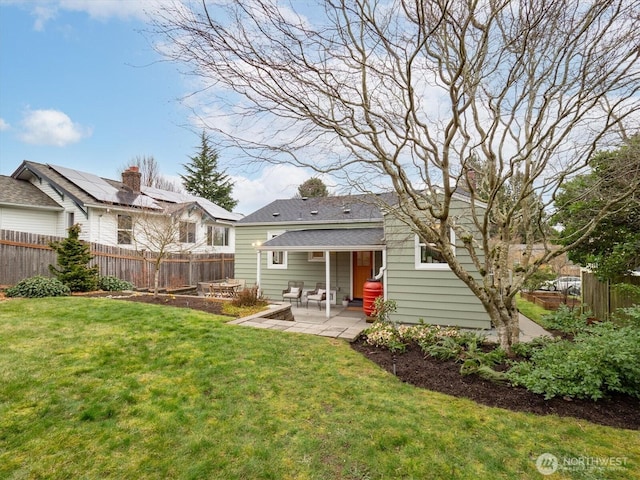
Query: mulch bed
<point x="413" y="367"/>
<point x="209" y="305"/>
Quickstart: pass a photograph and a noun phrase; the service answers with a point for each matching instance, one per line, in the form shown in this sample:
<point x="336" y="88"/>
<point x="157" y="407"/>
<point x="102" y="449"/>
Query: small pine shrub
<point x="114" y="284"/>
<point x="73" y="257"/>
<point x="38" y="287"/>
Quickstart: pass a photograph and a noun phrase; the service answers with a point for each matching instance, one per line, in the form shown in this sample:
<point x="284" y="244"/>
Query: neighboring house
<point x="24" y="208"/>
<point x="343" y="242"/>
<point x="109" y="212"/>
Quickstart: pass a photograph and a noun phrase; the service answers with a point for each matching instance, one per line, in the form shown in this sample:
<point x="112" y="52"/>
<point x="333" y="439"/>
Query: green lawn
<point x="99" y="388"/>
<point x="531" y="310"/>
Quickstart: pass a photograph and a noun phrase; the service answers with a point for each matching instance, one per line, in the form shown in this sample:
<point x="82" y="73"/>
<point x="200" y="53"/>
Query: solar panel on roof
<point x="146" y="202"/>
<point x="92" y="184"/>
<point x="101" y="190"/>
<point x="165" y="195"/>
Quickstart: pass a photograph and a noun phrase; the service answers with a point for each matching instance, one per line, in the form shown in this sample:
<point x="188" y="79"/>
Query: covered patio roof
<point x="333" y="239"/>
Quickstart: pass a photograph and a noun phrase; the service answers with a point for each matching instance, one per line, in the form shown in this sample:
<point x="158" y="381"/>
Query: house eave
<point x="31" y="207"/>
<point x="329" y="248"/>
<point x="308" y="222"/>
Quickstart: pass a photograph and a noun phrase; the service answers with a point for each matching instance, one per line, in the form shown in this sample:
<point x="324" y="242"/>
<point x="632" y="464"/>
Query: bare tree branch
<point x="406" y="92"/>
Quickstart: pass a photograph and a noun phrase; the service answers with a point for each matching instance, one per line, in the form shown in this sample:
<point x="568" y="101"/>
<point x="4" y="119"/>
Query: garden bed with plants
<point x="593" y="373"/>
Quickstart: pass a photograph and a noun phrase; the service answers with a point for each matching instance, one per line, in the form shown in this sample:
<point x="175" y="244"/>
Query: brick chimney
<point x="131" y="178"/>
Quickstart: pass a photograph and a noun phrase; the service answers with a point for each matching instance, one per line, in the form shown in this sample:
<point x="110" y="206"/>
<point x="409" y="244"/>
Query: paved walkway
<point x="347" y="323"/>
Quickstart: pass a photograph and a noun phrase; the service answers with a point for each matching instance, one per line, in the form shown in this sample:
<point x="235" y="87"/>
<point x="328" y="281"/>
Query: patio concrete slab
<point x="342" y="323"/>
<point x="348" y="324"/>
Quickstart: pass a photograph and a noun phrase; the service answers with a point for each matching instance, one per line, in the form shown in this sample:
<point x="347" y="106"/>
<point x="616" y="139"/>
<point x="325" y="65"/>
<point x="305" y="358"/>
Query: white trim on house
<point x="419" y="265"/>
<point x="282" y="265"/>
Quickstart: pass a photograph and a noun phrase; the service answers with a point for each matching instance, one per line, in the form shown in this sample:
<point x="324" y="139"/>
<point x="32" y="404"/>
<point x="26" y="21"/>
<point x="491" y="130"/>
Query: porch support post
<point x="384" y="275"/>
<point x="259" y="257"/>
<point x="327" y="280"/>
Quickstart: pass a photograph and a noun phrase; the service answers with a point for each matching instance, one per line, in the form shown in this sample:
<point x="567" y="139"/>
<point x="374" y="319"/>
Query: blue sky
<point x="82" y="87"/>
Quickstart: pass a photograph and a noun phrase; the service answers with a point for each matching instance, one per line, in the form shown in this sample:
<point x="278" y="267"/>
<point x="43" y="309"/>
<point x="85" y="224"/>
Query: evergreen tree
<point x="314" y="187"/>
<point x="204" y="180"/>
<point x="73" y="258"/>
<point x="613" y="248"/>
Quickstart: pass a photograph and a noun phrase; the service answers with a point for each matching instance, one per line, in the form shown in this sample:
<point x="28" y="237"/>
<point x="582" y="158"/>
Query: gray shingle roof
<point x="124" y="196"/>
<point x="347" y="208"/>
<point x="21" y="192"/>
<point x="333" y="239"/>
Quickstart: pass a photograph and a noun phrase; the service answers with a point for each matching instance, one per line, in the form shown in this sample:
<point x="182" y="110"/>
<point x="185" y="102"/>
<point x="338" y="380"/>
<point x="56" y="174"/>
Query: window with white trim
<point x="187" y="232"/>
<point x="217" y="236"/>
<point x="316" y="256"/>
<point x="276" y="259"/>
<point x="429" y="257"/>
<point x="125" y="229"/>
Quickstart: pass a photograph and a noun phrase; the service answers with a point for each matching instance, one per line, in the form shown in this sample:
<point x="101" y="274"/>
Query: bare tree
<point x="161" y="233"/>
<point x="157" y="234"/>
<point x="151" y="176"/>
<point x="404" y="93"/>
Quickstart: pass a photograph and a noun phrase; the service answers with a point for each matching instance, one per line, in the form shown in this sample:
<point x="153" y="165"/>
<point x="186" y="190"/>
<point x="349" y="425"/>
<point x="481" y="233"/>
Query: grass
<point x="531" y="310"/>
<point x="96" y="388"/>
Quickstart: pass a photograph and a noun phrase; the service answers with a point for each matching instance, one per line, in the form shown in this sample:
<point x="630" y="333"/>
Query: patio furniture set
<point x="294" y="292"/>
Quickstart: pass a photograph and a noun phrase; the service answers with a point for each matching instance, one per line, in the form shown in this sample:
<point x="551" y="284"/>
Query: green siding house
<point x="342" y="242"/>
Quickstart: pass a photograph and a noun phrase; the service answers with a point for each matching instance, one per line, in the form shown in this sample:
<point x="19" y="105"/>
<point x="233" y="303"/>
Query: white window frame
<point x="120" y="228"/>
<point x="211" y="235"/>
<point x="285" y="259"/>
<point x="431" y="266"/>
<point x="313" y="257"/>
<point x="188" y="226"/>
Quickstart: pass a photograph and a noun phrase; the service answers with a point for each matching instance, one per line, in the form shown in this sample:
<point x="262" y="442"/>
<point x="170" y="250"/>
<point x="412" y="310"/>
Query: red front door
<point x="362" y="271"/>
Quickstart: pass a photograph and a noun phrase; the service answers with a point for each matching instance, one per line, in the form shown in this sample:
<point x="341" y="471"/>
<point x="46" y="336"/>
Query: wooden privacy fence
<point x="601" y="299"/>
<point x="24" y="255"/>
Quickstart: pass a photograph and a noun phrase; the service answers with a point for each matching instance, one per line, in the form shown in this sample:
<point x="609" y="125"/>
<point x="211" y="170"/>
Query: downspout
<point x="382" y="274"/>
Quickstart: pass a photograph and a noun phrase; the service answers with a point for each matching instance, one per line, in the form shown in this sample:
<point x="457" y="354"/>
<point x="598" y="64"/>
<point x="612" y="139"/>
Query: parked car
<point x="571" y="285"/>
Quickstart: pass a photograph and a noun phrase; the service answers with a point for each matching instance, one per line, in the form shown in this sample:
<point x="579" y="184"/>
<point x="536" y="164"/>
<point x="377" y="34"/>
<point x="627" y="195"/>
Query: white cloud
<point x="51" y="127"/>
<point x="105" y="9"/>
<point x="275" y="181"/>
<point x="4" y="125"/>
<point x="47" y="10"/>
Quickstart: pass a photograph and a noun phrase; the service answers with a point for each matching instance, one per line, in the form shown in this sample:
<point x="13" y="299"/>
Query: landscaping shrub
<point x="38" y="287"/>
<point x="628" y="316"/>
<point x="566" y="320"/>
<point x="386" y="335"/>
<point x="603" y="358"/>
<point x="248" y="297"/>
<point x="114" y="284"/>
<point x="396" y="337"/>
<point x="526" y="349"/>
<point x="74" y="256"/>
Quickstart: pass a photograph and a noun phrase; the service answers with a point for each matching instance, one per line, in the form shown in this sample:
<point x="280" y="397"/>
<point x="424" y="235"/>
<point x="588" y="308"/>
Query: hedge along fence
<point x="24" y="255"/>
